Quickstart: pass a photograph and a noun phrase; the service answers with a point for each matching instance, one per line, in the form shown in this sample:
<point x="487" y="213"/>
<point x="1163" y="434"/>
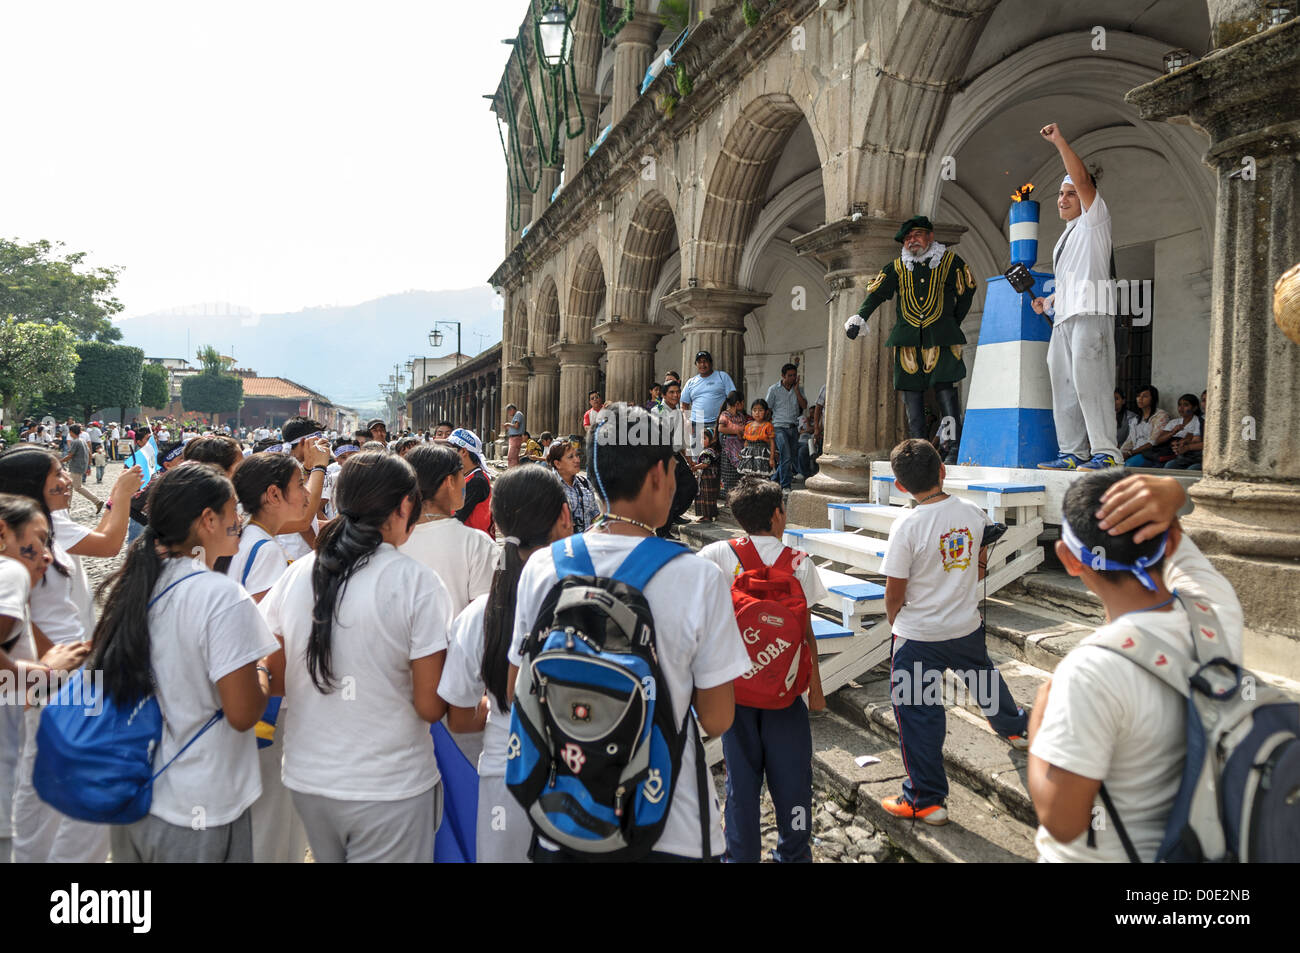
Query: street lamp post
<point x="435" y="336"/>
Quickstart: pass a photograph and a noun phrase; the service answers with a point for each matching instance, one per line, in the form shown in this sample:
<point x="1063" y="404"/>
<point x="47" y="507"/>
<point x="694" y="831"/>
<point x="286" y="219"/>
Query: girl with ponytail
<point x="62" y="613"/>
<point x="363" y="630"/>
<point x="192" y="637"/>
<point x="528" y="505"/>
<point x="464" y="558"/>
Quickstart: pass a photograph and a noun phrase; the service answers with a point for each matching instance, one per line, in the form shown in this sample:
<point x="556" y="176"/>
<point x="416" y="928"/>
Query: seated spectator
<point x="1179" y="429"/>
<point x="1124" y="418"/>
<point x="1139" y="450"/>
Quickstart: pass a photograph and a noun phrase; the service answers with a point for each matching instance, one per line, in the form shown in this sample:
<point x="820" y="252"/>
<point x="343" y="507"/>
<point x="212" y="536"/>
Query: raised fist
<point x="853" y="325"/>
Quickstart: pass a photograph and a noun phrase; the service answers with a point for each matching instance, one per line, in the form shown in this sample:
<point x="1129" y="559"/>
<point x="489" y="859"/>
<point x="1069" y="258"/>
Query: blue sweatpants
<point x="776" y="743"/>
<point x="917" y="692"/>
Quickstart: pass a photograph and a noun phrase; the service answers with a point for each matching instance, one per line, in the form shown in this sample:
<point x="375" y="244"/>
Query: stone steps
<point x="978" y="831"/>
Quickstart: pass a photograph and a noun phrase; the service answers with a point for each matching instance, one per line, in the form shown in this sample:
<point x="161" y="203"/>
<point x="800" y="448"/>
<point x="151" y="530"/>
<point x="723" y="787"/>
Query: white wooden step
<point x="999" y="499"/>
<point x="875" y="517"/>
<point x="853" y="598"/>
<point x="860" y="552"/>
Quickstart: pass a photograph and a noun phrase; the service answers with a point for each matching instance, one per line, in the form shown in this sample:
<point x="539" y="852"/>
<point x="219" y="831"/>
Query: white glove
<point x="853" y="325"/>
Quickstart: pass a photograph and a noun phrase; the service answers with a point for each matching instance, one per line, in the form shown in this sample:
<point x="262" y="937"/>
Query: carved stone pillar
<point x="634" y="47"/>
<point x="713" y="320"/>
<point x="1247" y="515"/>
<point x="543" y="395"/>
<point x="629" y="358"/>
<point x="579" y="374"/>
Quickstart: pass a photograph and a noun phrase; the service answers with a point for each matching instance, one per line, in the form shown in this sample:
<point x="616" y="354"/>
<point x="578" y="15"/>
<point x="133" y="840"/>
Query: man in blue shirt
<point x="705" y="393"/>
<point x="787" y="403"/>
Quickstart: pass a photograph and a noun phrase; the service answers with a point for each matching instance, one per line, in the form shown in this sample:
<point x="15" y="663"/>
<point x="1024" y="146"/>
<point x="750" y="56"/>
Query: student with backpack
<point x="476" y="507"/>
<point x="667" y="811"/>
<point x="363" y="630"/>
<point x="464" y="558"/>
<point x="192" y="638"/>
<point x="529" y="506"/>
<point x="272" y="491"/>
<point x="772" y="589"/>
<point x="933" y="564"/>
<point x="1113" y="735"/>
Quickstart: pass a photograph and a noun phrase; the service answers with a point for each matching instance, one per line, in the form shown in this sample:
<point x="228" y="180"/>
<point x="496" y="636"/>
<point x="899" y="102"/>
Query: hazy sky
<point x="275" y="154"/>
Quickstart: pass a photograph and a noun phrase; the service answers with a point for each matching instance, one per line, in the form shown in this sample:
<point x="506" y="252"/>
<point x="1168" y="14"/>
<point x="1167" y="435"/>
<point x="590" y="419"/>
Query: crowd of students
<point x="332" y="602"/>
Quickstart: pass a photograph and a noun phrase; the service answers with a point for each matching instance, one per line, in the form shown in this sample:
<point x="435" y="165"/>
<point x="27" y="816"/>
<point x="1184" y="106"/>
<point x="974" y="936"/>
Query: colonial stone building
<point x="469" y="395"/>
<point x="741" y="202"/>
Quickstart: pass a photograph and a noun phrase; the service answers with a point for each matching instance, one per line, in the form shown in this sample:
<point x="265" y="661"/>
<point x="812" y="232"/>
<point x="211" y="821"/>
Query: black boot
<point x="950" y="407"/>
<point x="914" y="405"/>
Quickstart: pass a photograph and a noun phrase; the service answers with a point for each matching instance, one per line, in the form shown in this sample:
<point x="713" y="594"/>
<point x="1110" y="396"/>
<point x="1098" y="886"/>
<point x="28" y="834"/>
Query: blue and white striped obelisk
<point x="1009" y="408"/>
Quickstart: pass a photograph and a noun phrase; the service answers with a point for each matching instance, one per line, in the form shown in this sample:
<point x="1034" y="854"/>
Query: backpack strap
<point x="173" y="586"/>
<point x="1207" y="631"/>
<point x="746" y="554"/>
<point x="1172" y="666"/>
<point x="216" y="717"/>
<point x="650" y="555"/>
<point x="1129" y="850"/>
<point x="571" y="557"/>
<point x="252" y="554"/>
<point x="785" y="562"/>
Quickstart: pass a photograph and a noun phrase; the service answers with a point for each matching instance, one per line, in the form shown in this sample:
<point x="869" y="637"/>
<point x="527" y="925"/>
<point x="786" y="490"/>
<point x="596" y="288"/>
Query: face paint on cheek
<point x="28" y="552"/>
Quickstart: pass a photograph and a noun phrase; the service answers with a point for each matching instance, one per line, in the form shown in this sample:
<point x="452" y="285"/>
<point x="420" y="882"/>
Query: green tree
<point x="211" y="391"/>
<point x="35" y="358"/>
<point x="108" y="375"/>
<point x="155" y="386"/>
<point x="40" y="283"/>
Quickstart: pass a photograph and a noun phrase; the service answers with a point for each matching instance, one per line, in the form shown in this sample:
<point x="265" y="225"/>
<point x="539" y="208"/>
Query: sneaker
<point x="936" y="814"/>
<point x="1065" y="461"/>
<point x="99" y="507"/>
<point x="1019" y="742"/>
<point x="1100" y="461"/>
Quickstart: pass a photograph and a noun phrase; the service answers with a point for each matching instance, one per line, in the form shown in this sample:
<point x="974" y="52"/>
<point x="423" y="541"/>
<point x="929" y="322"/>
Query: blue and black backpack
<point x="594" y="751"/>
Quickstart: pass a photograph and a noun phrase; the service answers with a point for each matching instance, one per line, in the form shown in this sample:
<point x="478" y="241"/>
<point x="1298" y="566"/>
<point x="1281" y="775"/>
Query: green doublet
<point x="930" y="304"/>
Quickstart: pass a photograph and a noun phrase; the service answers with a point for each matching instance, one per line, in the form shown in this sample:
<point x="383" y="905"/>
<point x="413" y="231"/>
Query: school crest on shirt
<point x="955" y="548"/>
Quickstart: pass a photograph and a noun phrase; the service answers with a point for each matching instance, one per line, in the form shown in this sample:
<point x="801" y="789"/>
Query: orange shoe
<point x="935" y="814"/>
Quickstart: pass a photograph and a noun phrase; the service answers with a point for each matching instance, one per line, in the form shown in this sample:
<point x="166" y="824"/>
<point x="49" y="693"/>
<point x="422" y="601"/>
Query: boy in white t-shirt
<point x="932" y="566"/>
<point x="776" y="742"/>
<point x="699" y="646"/>
<point x="1102" y="717"/>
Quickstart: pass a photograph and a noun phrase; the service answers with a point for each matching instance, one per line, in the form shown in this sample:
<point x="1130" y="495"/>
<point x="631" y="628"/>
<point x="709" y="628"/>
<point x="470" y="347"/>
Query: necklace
<point x="615" y="518"/>
<point x="932" y="496"/>
<point x="261" y="527"/>
<point x="432" y="517"/>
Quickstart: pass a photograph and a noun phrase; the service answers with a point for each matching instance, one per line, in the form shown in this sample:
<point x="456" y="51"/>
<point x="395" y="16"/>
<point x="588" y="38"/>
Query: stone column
<point x="578" y="376"/>
<point x="863" y="412"/>
<point x="514" y="390"/>
<point x="714" y="321"/>
<point x="1247" y="514"/>
<point x="634" y="47"/>
<point x="629" y="358"/>
<point x="549" y="179"/>
<point x="543" y="395"/>
<point x="575" y="150"/>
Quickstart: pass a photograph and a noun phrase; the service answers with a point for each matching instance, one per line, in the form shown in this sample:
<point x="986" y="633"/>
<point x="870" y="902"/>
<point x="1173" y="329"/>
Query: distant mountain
<point x="345" y="353"/>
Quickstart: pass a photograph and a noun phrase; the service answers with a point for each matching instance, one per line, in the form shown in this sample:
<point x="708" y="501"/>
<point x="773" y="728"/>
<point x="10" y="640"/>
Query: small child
<point x="98" y="457"/>
<point x="932" y="567"/>
<point x="759" y="454"/>
<point x="776" y="743"/>
<point x="709" y="476"/>
<point x="656" y="400"/>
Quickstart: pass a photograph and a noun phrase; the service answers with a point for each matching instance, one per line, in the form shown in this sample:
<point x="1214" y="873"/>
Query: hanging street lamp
<point x="553" y="28"/>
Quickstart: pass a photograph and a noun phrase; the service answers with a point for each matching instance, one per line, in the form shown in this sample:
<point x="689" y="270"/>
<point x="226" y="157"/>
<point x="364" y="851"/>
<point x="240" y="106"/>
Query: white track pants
<point x="1081" y="362"/>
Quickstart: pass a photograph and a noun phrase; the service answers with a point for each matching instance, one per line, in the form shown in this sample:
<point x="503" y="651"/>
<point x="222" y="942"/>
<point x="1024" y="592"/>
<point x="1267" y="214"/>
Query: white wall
<point x="1180" y="328"/>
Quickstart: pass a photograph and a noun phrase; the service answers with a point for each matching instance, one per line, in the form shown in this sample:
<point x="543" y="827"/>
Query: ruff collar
<point x="930" y="259"/>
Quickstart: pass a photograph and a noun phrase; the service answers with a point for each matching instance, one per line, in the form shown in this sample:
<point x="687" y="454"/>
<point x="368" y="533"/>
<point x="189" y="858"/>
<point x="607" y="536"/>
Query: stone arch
<point x="737" y="187"/>
<point x="649" y="240"/>
<point x="546" y="318"/>
<point x="920" y="71"/>
<point x="586" y="296"/>
<point x="1055" y="67"/>
<point x="516" y="341"/>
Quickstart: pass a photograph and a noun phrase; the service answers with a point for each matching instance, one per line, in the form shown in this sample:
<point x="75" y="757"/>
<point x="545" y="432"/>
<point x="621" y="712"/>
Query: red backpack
<point x="772" y="615"/>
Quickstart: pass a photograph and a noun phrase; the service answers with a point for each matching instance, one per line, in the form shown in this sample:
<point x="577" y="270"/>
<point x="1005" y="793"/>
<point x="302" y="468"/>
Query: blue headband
<point x="346" y="448"/>
<point x="1098" y="562"/>
<point x="174" y="453"/>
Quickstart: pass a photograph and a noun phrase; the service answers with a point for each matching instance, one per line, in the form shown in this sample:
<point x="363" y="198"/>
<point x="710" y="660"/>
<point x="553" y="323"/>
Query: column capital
<point x="630" y="335"/>
<point x="1237" y="95"/>
<point x="642" y="30"/>
<point x="542" y="364"/>
<point x="516" y="374"/>
<point x="582" y="354"/>
<point x="714" y="308"/>
<point x="860" y="244"/>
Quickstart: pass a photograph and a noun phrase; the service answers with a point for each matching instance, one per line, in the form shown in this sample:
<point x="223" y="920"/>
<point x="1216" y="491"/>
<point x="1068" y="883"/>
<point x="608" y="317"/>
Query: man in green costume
<point x="933" y="289"/>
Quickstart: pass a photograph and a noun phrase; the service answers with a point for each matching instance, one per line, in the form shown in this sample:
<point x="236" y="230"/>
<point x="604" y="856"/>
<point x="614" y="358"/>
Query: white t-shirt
<point x="464" y="558"/>
<point x="699" y="646"/>
<point x="1190" y="429"/>
<point x="935" y="547"/>
<point x="1081" y="262"/>
<point x="62" y="607"/>
<point x="199" y="632"/>
<point x="293" y="546"/>
<point x="462" y="685"/>
<point x="363" y="741"/>
<point x="769" y="548"/>
<point x="327" y="488"/>
<point x="15" y="591"/>
<point x="1110" y="720"/>
<point x="268" y="565"/>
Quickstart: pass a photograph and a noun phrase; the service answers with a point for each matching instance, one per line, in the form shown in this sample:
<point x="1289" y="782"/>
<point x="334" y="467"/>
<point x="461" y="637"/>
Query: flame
<point x="1023" y="192"/>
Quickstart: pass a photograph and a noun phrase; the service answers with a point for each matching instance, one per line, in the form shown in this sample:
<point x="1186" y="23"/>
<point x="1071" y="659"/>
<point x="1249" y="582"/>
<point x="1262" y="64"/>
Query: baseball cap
<point x="705" y="355"/>
<point x="376" y="422"/>
<point x="469" y="441"/>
